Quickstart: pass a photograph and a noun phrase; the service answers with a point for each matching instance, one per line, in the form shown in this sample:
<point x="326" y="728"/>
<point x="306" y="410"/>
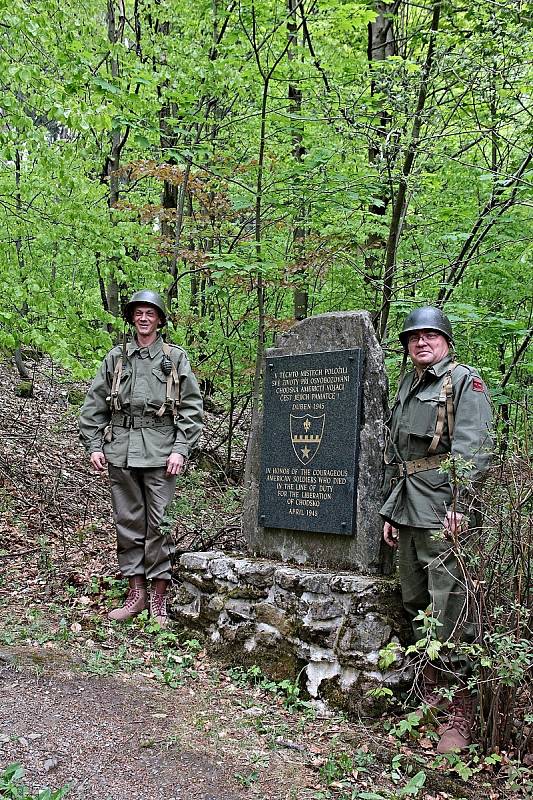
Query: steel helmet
<point x="145" y="296"/>
<point x="426" y="317"/>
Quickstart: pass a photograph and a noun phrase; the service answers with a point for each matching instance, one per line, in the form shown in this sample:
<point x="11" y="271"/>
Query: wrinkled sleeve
<point x="95" y="414"/>
<point x="190" y="411"/>
<point x="472" y="439"/>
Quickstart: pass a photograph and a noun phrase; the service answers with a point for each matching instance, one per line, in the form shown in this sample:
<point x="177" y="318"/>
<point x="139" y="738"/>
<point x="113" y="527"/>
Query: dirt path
<point x="118" y="737"/>
<point x="130" y="713"/>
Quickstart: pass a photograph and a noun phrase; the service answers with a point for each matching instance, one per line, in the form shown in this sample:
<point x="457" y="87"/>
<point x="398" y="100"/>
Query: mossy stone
<point x="24" y="389"/>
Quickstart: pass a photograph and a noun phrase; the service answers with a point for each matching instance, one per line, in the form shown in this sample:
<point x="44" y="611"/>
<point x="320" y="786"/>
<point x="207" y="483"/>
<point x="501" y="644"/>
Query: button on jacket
<point x="422" y="499"/>
<point x="142" y="392"/>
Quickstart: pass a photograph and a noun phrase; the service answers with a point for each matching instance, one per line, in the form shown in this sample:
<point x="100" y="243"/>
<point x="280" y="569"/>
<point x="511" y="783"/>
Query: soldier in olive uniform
<point x="442" y="410"/>
<point x="141" y="417"/>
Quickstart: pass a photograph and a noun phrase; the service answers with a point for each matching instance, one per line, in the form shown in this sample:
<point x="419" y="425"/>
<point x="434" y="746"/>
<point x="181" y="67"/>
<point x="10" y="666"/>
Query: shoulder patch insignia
<point x="478" y="385"/>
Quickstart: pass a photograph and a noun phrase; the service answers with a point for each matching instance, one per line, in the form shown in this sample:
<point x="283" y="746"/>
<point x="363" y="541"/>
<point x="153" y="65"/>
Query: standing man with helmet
<point x="141" y="417"/>
<point x="442" y="410"/>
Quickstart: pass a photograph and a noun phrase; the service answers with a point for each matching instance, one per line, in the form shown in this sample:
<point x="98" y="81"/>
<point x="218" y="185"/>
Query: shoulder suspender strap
<point x="173" y="387"/>
<point x="449" y="404"/>
<point x="445" y="407"/>
<point x="114" y="402"/>
<point x="115" y="388"/>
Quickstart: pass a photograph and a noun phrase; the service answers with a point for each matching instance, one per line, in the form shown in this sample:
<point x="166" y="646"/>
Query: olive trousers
<point x="140" y="498"/>
<point x="431" y="580"/>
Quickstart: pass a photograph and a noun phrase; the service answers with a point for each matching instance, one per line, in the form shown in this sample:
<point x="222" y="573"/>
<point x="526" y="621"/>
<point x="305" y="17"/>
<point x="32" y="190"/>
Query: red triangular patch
<point x="477" y="385"/>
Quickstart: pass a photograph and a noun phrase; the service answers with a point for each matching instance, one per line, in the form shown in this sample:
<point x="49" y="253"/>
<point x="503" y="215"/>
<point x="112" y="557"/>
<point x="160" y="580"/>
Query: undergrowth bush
<point x="495" y="560"/>
<point x="12" y="787"/>
<point x="498" y="571"/>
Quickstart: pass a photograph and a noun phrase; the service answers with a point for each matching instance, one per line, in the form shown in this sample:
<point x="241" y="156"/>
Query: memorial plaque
<point x="309" y="448"/>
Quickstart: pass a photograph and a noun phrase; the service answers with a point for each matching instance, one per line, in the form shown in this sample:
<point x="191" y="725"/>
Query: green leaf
<point x="110" y="88"/>
<point x="414" y="786"/>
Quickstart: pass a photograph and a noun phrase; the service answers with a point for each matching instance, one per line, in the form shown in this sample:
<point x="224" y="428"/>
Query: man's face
<point x="426" y="347"/>
<point x="146" y="320"/>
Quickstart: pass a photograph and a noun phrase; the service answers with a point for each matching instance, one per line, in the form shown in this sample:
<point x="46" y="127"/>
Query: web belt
<point x="127" y="421"/>
<point x="406" y="468"/>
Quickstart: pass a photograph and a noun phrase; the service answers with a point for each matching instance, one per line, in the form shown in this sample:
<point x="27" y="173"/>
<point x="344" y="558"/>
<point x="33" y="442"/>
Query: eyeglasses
<point x="429" y="336"/>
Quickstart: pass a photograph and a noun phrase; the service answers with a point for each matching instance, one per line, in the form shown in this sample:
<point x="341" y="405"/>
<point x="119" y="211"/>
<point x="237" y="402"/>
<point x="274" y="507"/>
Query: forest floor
<point x="121" y="711"/>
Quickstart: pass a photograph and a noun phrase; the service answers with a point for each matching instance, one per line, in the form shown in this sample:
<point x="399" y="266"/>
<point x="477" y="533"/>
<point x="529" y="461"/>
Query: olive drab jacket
<point x="422" y="498"/>
<point x="130" y="432"/>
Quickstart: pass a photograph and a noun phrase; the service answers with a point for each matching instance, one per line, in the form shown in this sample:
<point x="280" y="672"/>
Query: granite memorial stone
<point x="354" y="445"/>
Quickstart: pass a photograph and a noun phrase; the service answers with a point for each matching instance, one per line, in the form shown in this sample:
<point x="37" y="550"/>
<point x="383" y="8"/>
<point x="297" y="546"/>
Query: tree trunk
<point x="23" y="371"/>
<point x="301" y="294"/>
<point x="401" y="200"/>
<point x="115" y="29"/>
<point x="381" y="46"/>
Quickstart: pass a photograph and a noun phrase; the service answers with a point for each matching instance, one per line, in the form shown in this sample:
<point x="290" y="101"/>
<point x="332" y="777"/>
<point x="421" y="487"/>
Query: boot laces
<point x="159" y="605"/>
<point x="432" y="697"/>
<point x="459" y="719"/>
<point x="431" y="694"/>
<point x="133" y="596"/>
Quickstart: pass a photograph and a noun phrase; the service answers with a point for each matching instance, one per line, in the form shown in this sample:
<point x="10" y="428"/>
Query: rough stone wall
<point x="328" y="626"/>
<point x="364" y="552"/>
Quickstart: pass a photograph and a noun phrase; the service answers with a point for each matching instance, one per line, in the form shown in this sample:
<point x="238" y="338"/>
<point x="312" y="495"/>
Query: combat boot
<point x="136" y="600"/>
<point x="456" y="733"/>
<point x="432" y="700"/>
<point x="158" y="601"/>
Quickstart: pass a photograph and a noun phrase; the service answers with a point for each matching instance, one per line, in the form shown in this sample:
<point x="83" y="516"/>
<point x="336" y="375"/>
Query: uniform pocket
<point x="158" y="389"/>
<point x="125" y="385"/>
<point x="423" y="417"/>
<point x="434" y="479"/>
<point x="116" y="451"/>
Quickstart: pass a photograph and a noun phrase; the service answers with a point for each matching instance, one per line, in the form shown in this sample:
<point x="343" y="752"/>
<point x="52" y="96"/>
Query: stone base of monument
<point x="325" y="626"/>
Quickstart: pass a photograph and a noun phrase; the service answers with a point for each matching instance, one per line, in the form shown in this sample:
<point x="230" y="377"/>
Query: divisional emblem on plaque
<point x="306" y="436"/>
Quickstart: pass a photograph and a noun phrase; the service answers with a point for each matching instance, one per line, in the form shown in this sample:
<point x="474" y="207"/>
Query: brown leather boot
<point x="431" y="701"/>
<point x="158" y="601"/>
<point x="136" y="600"/>
<point x="456" y="733"/>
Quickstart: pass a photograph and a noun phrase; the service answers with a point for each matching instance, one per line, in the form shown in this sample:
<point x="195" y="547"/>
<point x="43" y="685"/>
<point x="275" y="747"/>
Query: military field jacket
<point x="422" y="499"/>
<point x="143" y="388"/>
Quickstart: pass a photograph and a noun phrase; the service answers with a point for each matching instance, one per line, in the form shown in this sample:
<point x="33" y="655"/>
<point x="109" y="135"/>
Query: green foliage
<point x="341" y="773"/>
<point x="177" y="665"/>
<point x="102" y="662"/>
<point x="12" y="787"/>
<point x="289" y="690"/>
<point x="410" y="725"/>
<point x="388" y="655"/>
<point x="246" y="780"/>
<point x="381" y="692"/>
<point x="35" y="628"/>
<point x="341" y="765"/>
<point x="219" y="118"/>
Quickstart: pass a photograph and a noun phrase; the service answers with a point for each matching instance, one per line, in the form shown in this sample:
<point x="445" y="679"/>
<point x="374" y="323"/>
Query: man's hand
<point x="98" y="461"/>
<point x="175" y="463"/>
<point x="390" y="534"/>
<point x="454" y="522"/>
